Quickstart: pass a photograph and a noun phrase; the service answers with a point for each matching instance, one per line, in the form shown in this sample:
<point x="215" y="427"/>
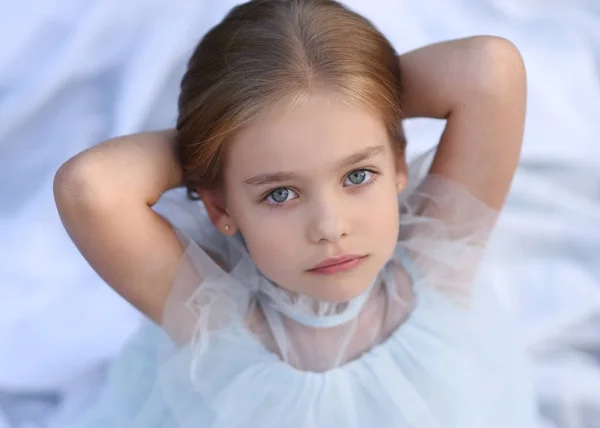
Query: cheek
<point x="268" y="233"/>
<point x="272" y="242"/>
<point x="382" y="221"/>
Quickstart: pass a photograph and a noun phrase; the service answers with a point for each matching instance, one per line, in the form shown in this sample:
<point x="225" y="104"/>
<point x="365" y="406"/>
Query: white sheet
<point x="76" y="72"/>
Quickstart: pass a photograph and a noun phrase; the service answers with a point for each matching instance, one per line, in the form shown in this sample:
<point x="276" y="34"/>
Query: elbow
<point x="498" y="69"/>
<point x="76" y="185"/>
<point x="70" y="186"/>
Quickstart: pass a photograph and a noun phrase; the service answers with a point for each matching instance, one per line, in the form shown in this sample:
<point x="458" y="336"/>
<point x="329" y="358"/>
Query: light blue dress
<point x="422" y="347"/>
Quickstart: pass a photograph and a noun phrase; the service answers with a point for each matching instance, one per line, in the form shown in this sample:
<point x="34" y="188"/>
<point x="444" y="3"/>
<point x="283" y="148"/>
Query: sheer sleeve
<point x="444" y="230"/>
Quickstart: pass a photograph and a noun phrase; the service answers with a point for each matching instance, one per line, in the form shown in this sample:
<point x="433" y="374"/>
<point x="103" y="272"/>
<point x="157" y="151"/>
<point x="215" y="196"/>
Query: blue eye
<point x="280" y="196"/>
<point x="357" y="177"/>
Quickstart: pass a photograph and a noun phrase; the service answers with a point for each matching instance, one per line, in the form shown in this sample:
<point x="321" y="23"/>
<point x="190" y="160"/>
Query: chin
<point x="341" y="289"/>
<point x="353" y="283"/>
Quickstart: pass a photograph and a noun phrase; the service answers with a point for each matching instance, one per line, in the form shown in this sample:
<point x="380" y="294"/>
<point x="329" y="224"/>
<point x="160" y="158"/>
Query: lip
<point x="338" y="264"/>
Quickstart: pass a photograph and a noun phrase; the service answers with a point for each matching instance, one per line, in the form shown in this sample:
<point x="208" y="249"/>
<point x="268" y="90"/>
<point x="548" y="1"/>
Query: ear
<point x="401" y="172"/>
<point x="401" y="167"/>
<point x="217" y="211"/>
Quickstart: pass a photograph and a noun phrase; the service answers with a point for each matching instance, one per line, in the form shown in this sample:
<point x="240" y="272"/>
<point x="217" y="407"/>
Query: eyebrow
<point x="363" y="155"/>
<point x="278" y="177"/>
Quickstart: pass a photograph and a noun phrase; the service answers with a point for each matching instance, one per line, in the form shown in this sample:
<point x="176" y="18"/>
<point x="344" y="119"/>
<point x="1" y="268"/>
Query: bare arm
<point x="479" y="85"/>
<point x="104" y="196"/>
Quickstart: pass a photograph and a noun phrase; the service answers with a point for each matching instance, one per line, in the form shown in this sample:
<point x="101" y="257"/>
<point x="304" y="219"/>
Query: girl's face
<point x="313" y="190"/>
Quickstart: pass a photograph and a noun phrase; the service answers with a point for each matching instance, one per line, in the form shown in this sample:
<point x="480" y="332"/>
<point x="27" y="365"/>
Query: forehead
<point x="313" y="134"/>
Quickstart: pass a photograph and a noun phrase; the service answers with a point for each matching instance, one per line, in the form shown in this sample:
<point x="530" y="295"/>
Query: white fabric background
<point x="75" y="72"/>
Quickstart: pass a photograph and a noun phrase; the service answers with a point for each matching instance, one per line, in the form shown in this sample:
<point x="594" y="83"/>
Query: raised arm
<point x="479" y="85"/>
<point x="104" y="196"/>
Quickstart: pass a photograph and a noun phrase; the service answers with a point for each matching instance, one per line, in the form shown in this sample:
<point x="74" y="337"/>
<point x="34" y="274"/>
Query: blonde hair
<point x="274" y="52"/>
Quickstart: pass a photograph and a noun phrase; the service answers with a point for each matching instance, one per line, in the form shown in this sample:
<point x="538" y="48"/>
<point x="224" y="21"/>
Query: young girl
<point x="322" y="282"/>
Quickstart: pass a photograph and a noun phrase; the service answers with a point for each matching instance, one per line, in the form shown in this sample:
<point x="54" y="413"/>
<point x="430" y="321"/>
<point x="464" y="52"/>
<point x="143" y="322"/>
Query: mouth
<point x="338" y="264"/>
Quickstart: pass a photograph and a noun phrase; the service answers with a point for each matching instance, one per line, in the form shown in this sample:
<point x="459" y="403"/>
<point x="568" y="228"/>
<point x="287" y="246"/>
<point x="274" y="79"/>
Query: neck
<point x="311" y="312"/>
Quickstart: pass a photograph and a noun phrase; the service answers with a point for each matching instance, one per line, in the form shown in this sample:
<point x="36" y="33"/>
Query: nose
<point x="328" y="221"/>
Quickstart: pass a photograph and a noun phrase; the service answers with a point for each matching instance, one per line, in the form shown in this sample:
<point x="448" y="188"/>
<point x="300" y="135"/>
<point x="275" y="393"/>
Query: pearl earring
<point x="399" y="186"/>
<point x="226" y="227"/>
